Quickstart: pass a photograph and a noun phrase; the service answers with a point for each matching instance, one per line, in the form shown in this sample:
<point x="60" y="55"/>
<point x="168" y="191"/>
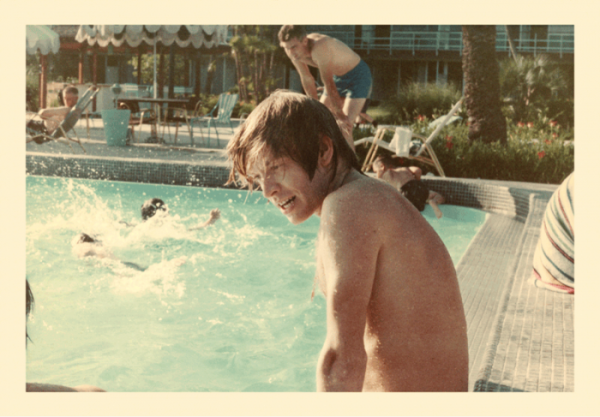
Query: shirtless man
<point x="395" y="319"/>
<point x="408" y="182"/>
<point x="346" y="76"/>
<point x="52" y="117"/>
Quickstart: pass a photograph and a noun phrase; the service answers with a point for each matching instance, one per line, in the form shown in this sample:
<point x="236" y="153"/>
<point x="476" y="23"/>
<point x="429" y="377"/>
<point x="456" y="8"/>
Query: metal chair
<point x="223" y="109"/>
<point x="70" y="120"/>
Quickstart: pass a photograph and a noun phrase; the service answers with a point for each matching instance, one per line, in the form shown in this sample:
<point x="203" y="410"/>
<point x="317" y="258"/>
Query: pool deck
<point x="521" y="338"/>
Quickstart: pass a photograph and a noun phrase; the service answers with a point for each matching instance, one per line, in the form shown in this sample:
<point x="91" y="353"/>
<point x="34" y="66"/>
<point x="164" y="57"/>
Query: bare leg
<point x="352" y="108"/>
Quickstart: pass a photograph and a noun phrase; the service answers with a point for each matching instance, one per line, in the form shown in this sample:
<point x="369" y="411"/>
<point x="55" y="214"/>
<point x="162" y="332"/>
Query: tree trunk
<point x="482" y="84"/>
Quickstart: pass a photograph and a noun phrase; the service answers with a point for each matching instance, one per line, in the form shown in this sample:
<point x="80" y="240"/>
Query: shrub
<point x="416" y="99"/>
<point x="540" y="153"/>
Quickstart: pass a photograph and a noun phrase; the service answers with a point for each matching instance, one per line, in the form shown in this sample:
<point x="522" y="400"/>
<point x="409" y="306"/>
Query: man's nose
<point x="269" y="187"/>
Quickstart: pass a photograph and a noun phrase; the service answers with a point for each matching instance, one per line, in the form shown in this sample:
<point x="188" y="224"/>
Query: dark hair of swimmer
<point x="150" y="207"/>
<point x="84" y="238"/>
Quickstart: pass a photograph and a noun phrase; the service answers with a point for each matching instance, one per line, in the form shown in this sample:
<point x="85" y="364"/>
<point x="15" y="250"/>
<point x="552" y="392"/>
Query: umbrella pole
<point x="154" y="56"/>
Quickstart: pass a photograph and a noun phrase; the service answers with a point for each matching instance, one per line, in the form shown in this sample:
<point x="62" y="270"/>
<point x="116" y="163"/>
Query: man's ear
<point x="325" y="151"/>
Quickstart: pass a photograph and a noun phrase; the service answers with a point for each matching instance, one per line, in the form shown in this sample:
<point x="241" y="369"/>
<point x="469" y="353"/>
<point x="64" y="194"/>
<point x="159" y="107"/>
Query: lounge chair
<point x="70" y="120"/>
<point x="177" y="115"/>
<point x="223" y="109"/>
<point x="402" y="143"/>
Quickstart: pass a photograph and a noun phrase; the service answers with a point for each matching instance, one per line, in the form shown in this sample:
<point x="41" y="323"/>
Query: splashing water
<point x="226" y="308"/>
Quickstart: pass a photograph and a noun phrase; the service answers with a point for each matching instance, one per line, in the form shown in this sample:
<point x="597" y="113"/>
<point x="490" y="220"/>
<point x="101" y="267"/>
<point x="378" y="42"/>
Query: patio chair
<point x="177" y="115"/>
<point x="70" y="120"/>
<point x="138" y="118"/>
<point x="403" y="145"/>
<point x="223" y="109"/>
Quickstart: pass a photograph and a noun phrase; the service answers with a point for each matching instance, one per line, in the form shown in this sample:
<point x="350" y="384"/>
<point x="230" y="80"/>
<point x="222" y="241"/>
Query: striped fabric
<point x="554" y="258"/>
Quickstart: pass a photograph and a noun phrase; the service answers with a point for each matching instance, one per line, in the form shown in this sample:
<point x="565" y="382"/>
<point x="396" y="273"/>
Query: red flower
<point x="553" y="123"/>
<point x="449" y="138"/>
<point x="530" y="124"/>
<point x="547" y="141"/>
<point x="420" y="118"/>
<point x="541" y="154"/>
<point x="520" y="124"/>
<point x="555" y="135"/>
<point x="449" y="145"/>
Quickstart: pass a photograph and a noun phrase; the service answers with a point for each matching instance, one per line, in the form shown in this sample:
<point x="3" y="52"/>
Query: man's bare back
<point x="402" y="289"/>
<point x="332" y="52"/>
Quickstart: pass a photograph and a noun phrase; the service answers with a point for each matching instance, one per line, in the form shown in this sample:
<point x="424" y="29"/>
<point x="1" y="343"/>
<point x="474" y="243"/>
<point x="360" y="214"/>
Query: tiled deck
<point x="520" y="337"/>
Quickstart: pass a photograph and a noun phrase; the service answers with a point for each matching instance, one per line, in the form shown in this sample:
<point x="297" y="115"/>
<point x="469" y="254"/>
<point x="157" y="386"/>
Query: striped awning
<point x="41" y="38"/>
<point x="198" y="36"/>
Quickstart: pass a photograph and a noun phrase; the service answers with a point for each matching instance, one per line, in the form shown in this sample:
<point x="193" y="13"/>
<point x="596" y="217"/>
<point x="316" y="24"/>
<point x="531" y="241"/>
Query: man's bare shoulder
<point x="362" y="195"/>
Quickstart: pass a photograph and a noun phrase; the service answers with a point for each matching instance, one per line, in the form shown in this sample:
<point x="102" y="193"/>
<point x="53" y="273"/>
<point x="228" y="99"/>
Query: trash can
<point x="116" y="123"/>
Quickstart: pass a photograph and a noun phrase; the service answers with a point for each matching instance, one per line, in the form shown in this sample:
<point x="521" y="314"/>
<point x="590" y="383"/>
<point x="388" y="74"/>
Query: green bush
<point x="414" y="100"/>
<point x="540" y="153"/>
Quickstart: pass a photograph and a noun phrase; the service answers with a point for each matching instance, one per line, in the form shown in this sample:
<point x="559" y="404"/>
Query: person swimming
<point x="155" y="205"/>
<point x="86" y="245"/>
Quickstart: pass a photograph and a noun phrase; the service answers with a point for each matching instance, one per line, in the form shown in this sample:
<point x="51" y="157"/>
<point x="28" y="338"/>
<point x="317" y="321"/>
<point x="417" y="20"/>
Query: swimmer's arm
<point x="433" y="200"/>
<point x="306" y="78"/>
<point x="348" y="253"/>
<point x="215" y="214"/>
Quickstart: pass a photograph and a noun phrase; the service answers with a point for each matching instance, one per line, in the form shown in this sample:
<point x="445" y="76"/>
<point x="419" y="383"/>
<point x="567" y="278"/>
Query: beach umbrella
<point x="197" y="36"/>
<point x="42" y="39"/>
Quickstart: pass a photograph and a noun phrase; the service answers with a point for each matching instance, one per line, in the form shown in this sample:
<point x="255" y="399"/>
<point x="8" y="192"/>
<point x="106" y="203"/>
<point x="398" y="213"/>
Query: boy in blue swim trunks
<point x="346" y="76"/>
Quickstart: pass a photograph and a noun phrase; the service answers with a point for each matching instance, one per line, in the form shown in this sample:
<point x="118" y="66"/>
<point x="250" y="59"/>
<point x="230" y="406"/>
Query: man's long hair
<point x="287" y="124"/>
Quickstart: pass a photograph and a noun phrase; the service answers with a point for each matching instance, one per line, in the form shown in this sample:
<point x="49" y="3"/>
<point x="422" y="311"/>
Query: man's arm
<point x="54" y="112"/>
<point x="306" y="78"/>
<point x="214" y="216"/>
<point x="321" y="55"/>
<point x="348" y="248"/>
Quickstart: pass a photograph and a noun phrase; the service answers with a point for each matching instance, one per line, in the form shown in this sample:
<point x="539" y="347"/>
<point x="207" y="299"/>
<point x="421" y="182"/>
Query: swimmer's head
<point x="85" y="238"/>
<point x="150" y="207"/>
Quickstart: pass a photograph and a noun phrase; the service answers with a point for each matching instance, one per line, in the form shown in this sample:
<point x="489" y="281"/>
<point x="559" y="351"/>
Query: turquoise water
<point x="225" y="308"/>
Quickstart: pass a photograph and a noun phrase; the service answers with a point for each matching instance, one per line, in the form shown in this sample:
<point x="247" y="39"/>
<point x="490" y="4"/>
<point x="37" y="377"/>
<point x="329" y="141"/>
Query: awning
<point x="42" y="38"/>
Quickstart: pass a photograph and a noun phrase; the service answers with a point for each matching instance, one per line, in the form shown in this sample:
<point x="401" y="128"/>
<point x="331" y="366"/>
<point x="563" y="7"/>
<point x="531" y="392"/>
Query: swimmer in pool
<point x="395" y="318"/>
<point x="408" y="182"/>
<point x="85" y="245"/>
<point x="155" y="206"/>
<point x="37" y="387"/>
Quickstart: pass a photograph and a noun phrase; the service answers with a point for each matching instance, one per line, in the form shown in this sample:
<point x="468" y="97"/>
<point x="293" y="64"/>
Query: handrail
<point x="452" y="41"/>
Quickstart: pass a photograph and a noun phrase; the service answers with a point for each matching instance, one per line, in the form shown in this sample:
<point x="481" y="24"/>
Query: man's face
<point x="379" y="168"/>
<point x="287" y="185"/>
<point x="296" y="49"/>
<point x="71" y="99"/>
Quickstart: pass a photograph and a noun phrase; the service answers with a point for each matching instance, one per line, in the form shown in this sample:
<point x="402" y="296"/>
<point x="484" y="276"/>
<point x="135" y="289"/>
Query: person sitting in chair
<point x="52" y="117"/>
<point x="408" y="182"/>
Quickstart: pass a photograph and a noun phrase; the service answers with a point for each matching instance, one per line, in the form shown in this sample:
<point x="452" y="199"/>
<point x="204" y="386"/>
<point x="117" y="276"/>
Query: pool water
<point x="226" y="308"/>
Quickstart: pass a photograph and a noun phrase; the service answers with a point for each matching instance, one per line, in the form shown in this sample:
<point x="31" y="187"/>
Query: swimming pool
<point x="225" y="308"/>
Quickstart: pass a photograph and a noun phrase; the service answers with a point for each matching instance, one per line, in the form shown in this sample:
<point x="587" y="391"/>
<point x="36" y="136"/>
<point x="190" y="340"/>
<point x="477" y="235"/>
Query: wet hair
<point x="287" y="124"/>
<point x="389" y="161"/>
<point x="150" y="207"/>
<point x="29" y="301"/>
<point x="289" y="32"/>
<point x="85" y="238"/>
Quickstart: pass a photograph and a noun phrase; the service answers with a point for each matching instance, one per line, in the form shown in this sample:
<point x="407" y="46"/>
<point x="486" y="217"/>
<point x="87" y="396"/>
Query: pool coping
<point x="506" y="346"/>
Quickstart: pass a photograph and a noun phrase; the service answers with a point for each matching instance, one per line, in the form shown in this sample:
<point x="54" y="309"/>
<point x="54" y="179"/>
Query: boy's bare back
<point x="382" y="267"/>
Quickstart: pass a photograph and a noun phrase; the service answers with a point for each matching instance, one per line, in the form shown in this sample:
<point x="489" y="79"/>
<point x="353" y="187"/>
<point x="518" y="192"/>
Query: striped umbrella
<point x="198" y="36"/>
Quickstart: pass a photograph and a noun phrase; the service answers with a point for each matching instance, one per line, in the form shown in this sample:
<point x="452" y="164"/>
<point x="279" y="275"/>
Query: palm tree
<point x="482" y="85"/>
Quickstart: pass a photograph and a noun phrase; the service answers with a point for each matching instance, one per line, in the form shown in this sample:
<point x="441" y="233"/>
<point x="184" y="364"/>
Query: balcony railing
<point x="558" y="43"/>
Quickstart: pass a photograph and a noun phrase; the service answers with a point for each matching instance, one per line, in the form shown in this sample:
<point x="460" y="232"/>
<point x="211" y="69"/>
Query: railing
<point x="452" y="41"/>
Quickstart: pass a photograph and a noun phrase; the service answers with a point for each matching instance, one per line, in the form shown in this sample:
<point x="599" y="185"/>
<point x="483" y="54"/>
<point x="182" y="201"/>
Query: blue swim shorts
<point x="356" y="83"/>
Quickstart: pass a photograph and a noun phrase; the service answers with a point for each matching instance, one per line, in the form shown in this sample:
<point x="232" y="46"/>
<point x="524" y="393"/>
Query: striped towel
<point x="554" y="258"/>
